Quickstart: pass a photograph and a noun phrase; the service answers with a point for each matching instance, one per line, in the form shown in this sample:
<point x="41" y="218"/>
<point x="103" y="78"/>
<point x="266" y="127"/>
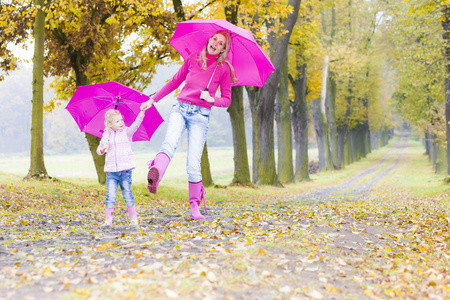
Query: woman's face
<point x="216" y="44"/>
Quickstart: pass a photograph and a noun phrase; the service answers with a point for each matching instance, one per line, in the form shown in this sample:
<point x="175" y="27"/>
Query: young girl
<point x="116" y="143"/>
<point x="208" y="69"/>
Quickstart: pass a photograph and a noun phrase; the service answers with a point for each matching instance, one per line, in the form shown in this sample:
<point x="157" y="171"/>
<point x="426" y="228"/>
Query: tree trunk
<point x="263" y="114"/>
<point x="206" y="169"/>
<point x="446" y="36"/>
<point x="359" y="142"/>
<point x="300" y="124"/>
<point x="37" y="166"/>
<point x="428" y="147"/>
<point x="341" y="147"/>
<point x="368" y="145"/>
<point x="365" y="131"/>
<point x="283" y="118"/>
<point x="324" y="99"/>
<point x="353" y="145"/>
<point x="93" y="141"/>
<point x="441" y="159"/>
<point x="435" y="150"/>
<point x="236" y="112"/>
<point x="344" y="131"/>
<point x="348" y="156"/>
<point x="317" y="117"/>
<point x="332" y="123"/>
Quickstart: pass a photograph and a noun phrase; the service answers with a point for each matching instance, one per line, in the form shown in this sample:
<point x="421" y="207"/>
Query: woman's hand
<point x="206" y="96"/>
<point x="147" y="104"/>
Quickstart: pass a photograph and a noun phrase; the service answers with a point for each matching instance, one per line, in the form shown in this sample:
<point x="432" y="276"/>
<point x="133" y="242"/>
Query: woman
<point x="203" y="73"/>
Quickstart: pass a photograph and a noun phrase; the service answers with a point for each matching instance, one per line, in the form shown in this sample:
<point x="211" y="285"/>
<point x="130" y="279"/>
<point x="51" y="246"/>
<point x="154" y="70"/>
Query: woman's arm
<point x="170" y="86"/>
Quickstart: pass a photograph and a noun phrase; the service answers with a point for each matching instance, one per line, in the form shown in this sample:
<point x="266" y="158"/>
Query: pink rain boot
<point x="109" y="215"/>
<point x="196" y="194"/>
<point x="133" y="215"/>
<point x="156" y="171"/>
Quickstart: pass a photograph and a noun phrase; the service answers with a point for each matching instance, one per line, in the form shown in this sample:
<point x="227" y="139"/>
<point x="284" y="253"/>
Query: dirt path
<point x="266" y="250"/>
<point x="354" y="190"/>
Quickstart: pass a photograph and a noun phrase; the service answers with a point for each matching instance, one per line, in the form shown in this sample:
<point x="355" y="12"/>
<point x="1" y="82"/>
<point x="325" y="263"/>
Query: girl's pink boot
<point x="109" y="216"/>
<point x="133" y="216"/>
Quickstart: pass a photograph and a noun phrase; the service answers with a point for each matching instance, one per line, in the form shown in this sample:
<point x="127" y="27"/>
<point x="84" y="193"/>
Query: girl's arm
<point x="104" y="143"/>
<point x="133" y="127"/>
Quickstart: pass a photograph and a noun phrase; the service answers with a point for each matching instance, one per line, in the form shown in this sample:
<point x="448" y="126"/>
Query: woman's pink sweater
<point x="197" y="80"/>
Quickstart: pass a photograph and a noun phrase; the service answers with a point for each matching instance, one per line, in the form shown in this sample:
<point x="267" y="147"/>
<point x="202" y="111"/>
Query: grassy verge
<point x="413" y="173"/>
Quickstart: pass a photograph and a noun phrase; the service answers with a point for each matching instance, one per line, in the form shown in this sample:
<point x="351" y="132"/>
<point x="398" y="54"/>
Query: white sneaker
<point x="105" y="225"/>
<point x="134" y="223"/>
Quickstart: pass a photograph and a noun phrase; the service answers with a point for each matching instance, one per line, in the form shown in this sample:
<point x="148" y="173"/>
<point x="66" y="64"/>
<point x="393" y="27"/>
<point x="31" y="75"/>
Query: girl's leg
<point x="112" y="180"/>
<point x="127" y="193"/>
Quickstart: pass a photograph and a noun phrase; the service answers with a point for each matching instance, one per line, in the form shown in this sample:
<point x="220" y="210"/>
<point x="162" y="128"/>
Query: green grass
<point x="82" y="192"/>
<point x="415" y="173"/>
<point x="79" y="166"/>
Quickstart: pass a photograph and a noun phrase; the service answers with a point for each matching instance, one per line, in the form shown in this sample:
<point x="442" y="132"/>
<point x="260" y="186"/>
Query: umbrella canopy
<point x="90" y="102"/>
<point x="250" y="61"/>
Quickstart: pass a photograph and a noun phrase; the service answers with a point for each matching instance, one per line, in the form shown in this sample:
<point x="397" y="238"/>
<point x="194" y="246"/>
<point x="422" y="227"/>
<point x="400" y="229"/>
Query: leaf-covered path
<point x="324" y="245"/>
<point x="359" y="185"/>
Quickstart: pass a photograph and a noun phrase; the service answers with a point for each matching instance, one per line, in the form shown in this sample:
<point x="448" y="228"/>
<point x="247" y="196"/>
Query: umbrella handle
<point x="206" y="89"/>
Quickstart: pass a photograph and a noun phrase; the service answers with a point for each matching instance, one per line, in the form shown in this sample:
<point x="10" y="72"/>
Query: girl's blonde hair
<point x="109" y="116"/>
<point x="222" y="57"/>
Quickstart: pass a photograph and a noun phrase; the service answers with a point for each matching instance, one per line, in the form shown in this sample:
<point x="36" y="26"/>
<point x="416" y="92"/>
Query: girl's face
<point x="117" y="123"/>
<point x="216" y="44"/>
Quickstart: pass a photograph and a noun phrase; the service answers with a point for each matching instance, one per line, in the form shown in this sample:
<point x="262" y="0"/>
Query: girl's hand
<point x="105" y="147"/>
<point x="206" y="96"/>
<point x="147" y="104"/>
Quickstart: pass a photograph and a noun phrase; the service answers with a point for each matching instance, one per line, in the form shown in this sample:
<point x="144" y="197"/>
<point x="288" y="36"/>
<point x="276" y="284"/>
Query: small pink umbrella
<point x="90" y="102"/>
<point x="250" y="61"/>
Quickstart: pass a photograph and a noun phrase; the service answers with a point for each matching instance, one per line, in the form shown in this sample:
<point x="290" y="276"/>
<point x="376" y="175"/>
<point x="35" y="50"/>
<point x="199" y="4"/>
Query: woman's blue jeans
<point x="113" y="180"/>
<point x="196" y="120"/>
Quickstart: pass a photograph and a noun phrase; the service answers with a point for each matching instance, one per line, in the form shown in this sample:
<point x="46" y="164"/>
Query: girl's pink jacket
<point x="119" y="156"/>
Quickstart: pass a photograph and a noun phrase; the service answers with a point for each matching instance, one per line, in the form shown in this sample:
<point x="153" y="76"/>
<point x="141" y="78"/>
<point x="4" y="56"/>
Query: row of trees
<point x="418" y="36"/>
<point x="326" y="53"/>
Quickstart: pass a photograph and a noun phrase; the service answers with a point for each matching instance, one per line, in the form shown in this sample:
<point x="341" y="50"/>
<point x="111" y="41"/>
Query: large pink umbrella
<point x="90" y="102"/>
<point x="250" y="61"/>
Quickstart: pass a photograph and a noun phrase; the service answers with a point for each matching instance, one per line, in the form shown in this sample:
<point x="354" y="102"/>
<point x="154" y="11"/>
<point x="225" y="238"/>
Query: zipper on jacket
<point x="115" y="151"/>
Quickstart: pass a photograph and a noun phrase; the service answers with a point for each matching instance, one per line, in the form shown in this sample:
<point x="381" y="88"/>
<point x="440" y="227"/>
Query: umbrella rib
<point x="252" y="57"/>
<point x="90" y="115"/>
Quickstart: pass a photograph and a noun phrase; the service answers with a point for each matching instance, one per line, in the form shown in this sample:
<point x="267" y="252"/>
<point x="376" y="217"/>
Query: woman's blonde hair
<point x="109" y="116"/>
<point x="222" y="57"/>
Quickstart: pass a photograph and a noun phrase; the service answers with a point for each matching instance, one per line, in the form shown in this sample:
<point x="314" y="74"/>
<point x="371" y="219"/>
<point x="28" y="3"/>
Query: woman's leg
<point x="197" y="126"/>
<point x="175" y="128"/>
<point x="197" y="129"/>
